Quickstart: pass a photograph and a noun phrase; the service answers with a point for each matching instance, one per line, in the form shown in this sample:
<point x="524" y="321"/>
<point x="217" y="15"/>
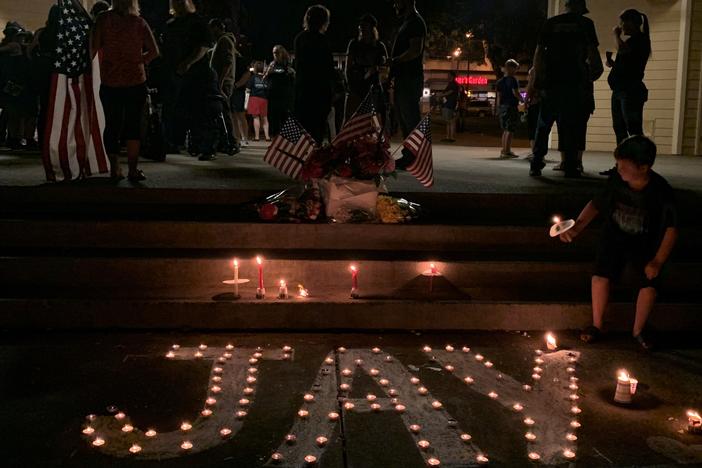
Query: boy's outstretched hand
<point x="652" y="270"/>
<point x="569" y="236"/>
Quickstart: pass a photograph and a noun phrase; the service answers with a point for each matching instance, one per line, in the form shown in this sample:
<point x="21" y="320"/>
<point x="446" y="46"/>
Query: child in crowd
<point x="508" y="99"/>
<point x="640" y="229"/>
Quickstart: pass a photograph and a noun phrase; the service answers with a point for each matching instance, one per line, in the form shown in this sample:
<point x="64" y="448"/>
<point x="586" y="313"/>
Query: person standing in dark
<point x="184" y="48"/>
<point x="314" y="66"/>
<point x="366" y="54"/>
<point x="280" y="77"/>
<point x="629" y="92"/>
<point x="42" y="52"/>
<point x="126" y="45"/>
<point x="223" y="62"/>
<point x="449" y="106"/>
<point x="407" y="71"/>
<point x="566" y="64"/>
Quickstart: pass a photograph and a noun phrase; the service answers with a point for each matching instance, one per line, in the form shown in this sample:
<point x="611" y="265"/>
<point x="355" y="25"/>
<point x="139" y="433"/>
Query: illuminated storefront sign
<point x="472" y="80"/>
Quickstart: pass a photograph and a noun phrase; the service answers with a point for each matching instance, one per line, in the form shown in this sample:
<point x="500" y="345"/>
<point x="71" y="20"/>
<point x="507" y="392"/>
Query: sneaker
<point x="509" y="155"/>
<point x="535" y="170"/>
<point x="207" y="157"/>
<point x="244" y="143"/>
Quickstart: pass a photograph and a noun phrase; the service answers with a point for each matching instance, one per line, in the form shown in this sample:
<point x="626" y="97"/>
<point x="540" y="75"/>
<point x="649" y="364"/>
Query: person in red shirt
<point x="126" y="45"/>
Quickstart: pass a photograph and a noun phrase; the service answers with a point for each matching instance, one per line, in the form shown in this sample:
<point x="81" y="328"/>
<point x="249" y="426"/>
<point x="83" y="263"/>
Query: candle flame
<point x="550" y="339"/>
<point x="353" y="268"/>
<point x="623" y="375"/>
<point x="693" y="414"/>
<point x="282" y="283"/>
<point x="259" y="260"/>
<point x="556" y="219"/>
<point x="236" y="263"/>
<point x="302" y="291"/>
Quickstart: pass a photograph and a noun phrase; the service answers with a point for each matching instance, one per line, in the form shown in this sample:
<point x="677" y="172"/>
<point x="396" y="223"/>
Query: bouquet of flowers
<point x="292" y="206"/>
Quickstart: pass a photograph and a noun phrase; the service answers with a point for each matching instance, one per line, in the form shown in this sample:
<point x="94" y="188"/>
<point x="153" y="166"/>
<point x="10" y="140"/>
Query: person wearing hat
<point x="566" y="64"/>
<point x="366" y="54"/>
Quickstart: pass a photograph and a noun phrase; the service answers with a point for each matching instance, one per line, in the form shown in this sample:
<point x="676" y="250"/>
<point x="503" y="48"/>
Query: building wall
<point x="31" y="14"/>
<point x="661" y="73"/>
<point x="692" y="128"/>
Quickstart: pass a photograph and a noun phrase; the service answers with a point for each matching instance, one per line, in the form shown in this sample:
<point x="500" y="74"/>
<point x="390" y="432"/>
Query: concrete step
<point x="325" y="241"/>
<point x="326" y="314"/>
<point x="201" y="279"/>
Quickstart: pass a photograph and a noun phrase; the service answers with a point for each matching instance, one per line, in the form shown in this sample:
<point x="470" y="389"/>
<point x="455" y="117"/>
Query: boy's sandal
<point x="590" y="334"/>
<point x="644" y="340"/>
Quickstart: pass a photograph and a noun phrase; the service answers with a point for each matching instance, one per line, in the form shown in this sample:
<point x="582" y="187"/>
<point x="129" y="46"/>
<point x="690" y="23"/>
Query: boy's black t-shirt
<point x="412" y="27"/>
<point x="506" y="86"/>
<point x="646" y="213"/>
<point x="565" y="40"/>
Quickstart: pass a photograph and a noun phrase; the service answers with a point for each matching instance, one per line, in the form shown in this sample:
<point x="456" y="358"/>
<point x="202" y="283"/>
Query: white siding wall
<point x="661" y="73"/>
<point x="692" y="130"/>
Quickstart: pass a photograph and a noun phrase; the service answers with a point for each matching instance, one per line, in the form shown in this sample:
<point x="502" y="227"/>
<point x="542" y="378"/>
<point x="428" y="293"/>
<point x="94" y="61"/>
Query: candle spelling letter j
<point x="354" y="281"/>
<point x="261" y="290"/>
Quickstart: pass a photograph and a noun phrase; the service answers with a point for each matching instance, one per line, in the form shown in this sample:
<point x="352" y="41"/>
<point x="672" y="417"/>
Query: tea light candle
<point x="170" y="354"/>
<point x="251" y="379"/>
<point x="436" y="404"/>
<point x="98" y="442"/>
<point x="321" y="441"/>
<point x="344" y="387"/>
<point x="374" y="372"/>
<point x="308" y="397"/>
<point x="216" y="389"/>
<point x="575" y="424"/>
<point x="211" y="401"/>
<point x="333" y="416"/>
<point x="283" y="290"/>
<point x="346" y="372"/>
<point x="206" y="413"/>
<point x="227" y="355"/>
<point x="530" y="436"/>
<point x="433" y="462"/>
<point x="488" y="364"/>
<point x="176" y="346"/>
<point x="570" y="370"/>
<point x="392" y="392"/>
<point x="569" y="454"/>
<point x="482" y="459"/>
<point x="534" y="456"/>
<point x="694" y="422"/>
<point x="310" y="459"/>
<point x="150" y="433"/>
<point x="229" y="347"/>
<point x="536" y="376"/>
<point x="571" y="437"/>
<point x="120" y="416"/>
<point x="371" y="397"/>
<point x="376" y="350"/>
<point x="526" y="388"/>
<point x="287" y="349"/>
<point x="529" y="422"/>
<point x="244" y="402"/>
<point x="538" y="370"/>
<point x="290" y="439"/>
<point x="359" y="362"/>
<point x="248" y="391"/>
<point x="329" y="361"/>
<point x="469" y="380"/>
<point x="450" y="368"/>
<point x="423" y="444"/>
<point x="384" y="382"/>
<point x="303" y="414"/>
<point x="538" y="361"/>
<point x="626" y="387"/>
<point x="348" y="406"/>
<point x="388" y="358"/>
<point x="414" y="381"/>
<point x="415" y="428"/>
<point x="198" y="354"/>
<point x="241" y="414"/>
<point x="89" y="430"/>
<point x="185" y="426"/>
<point x="551" y="342"/>
<point x="277" y="457"/>
<point x="422" y="391"/>
<point x="573" y="386"/>
<point x="465" y="349"/>
<point x="127" y="428"/>
<point x="135" y="448"/>
<point x="479" y="357"/>
<point x="493" y="395"/>
<point x="375" y="407"/>
<point x="576" y="410"/>
<point x="466" y="437"/>
<point x="186" y="445"/>
<point x="426" y="349"/>
<point x="253" y="361"/>
<point x="400" y="408"/>
<point x="449" y="348"/>
<point x="341" y="350"/>
<point x="538" y="352"/>
<point x="574" y="397"/>
<point x="517" y="407"/>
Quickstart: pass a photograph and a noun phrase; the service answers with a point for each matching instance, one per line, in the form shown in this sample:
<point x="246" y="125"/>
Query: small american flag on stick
<point x="419" y="144"/>
<point x="290" y="149"/>
<point x="73" y="145"/>
<point x="363" y="122"/>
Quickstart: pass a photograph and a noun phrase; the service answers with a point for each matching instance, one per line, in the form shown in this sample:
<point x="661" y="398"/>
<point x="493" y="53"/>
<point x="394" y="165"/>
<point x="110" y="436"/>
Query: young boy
<point x="640" y="228"/>
<point x="508" y="99"/>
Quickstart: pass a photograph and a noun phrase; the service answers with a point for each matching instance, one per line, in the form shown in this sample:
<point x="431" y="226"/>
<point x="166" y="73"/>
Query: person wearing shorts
<point x="508" y="99"/>
<point x="448" y="109"/>
<point x="258" y="102"/>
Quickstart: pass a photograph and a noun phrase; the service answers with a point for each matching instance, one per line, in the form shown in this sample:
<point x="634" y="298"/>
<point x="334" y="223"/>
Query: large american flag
<point x="363" y="122"/>
<point x="73" y="145"/>
<point x="290" y="149"/>
<point x="419" y="144"/>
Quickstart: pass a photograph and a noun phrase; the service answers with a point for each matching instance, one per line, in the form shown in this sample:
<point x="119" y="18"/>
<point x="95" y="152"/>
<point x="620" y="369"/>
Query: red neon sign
<point x="472" y="80"/>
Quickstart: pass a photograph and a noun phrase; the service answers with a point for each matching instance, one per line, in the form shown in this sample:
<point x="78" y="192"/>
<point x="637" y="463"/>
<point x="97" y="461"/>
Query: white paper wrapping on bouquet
<point x="345" y="195"/>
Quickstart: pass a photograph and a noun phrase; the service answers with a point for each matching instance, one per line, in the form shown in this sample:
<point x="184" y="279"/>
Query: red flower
<point x="268" y="211"/>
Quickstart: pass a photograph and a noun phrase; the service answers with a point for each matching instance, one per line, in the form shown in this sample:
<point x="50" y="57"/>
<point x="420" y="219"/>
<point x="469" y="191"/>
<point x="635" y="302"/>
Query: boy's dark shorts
<point x="619" y="250"/>
<point x="509" y="118"/>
